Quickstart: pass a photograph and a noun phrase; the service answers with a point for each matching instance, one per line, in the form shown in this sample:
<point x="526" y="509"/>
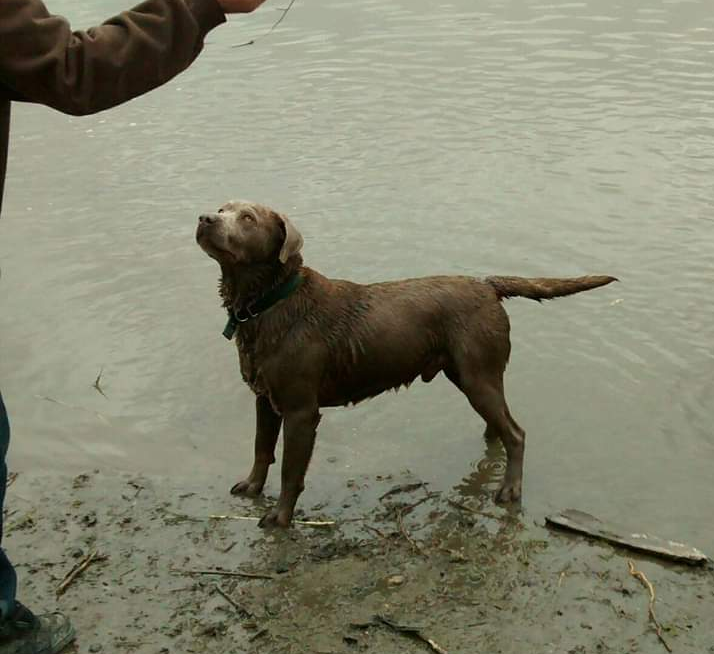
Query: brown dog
<point x="305" y="341"/>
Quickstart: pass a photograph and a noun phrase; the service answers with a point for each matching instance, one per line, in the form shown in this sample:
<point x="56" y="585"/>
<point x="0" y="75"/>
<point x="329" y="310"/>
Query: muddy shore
<point x="466" y="575"/>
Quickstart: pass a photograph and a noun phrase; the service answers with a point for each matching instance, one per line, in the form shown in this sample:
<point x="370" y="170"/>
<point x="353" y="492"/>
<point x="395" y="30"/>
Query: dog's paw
<point x="274" y="518"/>
<point x="508" y="493"/>
<point x="247" y="487"/>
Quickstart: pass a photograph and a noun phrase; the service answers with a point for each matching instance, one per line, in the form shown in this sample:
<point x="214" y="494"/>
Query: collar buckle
<point x="247" y="314"/>
<point x="257" y="307"/>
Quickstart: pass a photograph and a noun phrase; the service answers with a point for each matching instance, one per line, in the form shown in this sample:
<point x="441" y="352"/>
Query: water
<point x="404" y="138"/>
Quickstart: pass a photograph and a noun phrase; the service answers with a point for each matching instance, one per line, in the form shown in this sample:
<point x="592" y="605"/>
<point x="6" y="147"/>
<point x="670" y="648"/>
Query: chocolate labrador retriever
<point x="306" y="341"/>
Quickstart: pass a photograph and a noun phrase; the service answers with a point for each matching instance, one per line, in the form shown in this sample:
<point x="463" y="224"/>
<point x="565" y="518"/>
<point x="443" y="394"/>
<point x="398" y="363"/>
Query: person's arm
<point x="43" y="61"/>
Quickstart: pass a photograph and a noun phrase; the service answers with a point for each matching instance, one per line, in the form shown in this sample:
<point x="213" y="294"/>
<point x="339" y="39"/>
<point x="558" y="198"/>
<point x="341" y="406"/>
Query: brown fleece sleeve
<point x="42" y="60"/>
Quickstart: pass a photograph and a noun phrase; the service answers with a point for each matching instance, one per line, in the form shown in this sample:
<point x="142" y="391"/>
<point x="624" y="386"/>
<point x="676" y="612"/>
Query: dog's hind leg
<point x="491" y="433"/>
<point x="485" y="393"/>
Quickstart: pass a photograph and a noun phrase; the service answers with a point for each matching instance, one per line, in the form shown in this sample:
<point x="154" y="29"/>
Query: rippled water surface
<point x="405" y="138"/>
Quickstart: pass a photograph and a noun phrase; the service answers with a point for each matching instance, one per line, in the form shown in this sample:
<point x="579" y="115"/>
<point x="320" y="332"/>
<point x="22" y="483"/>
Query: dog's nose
<point x="207" y="218"/>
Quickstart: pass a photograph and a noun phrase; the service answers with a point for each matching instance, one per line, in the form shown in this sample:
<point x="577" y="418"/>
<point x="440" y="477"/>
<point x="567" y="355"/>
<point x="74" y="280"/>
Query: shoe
<point x="25" y="633"/>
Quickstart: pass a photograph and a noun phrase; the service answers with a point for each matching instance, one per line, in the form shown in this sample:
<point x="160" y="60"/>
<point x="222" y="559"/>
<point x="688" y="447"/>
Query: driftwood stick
<point x="650" y="609"/>
<point x="584" y="523"/>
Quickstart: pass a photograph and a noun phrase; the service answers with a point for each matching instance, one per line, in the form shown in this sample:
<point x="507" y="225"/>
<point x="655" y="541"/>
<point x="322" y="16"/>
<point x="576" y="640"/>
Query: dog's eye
<point x="248" y="216"/>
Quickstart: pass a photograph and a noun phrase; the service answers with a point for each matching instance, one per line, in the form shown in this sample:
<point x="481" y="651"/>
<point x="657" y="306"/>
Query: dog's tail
<point x="545" y="288"/>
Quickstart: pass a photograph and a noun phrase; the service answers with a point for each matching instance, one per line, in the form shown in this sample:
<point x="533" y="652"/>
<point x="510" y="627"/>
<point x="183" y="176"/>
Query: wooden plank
<point x="584" y="523"/>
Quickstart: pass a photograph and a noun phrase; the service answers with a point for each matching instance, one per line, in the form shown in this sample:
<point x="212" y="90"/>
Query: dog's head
<point x="245" y="233"/>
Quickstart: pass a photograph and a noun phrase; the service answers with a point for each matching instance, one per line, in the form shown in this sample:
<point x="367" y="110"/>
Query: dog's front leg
<point x="267" y="429"/>
<point x="299" y="439"/>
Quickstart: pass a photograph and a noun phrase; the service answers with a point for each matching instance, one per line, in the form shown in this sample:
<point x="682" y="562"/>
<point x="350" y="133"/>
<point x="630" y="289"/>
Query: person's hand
<point x="239" y="6"/>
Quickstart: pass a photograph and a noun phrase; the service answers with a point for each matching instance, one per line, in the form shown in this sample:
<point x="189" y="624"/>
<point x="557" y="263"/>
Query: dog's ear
<point x="292" y="242"/>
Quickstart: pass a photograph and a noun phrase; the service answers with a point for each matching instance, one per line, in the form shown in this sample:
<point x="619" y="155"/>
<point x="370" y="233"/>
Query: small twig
<point x="228" y="598"/>
<point x="433" y="644"/>
<point x="96" y="383"/>
<point x="173" y="518"/>
<point x="11" y="479"/>
<point x="307" y="523"/>
<point x="403" y="530"/>
<point x="411" y="631"/>
<point x="225" y="550"/>
<point x="402" y="488"/>
<point x="47" y="398"/>
<point x="257" y="635"/>
<point x="224" y="573"/>
<point x="410" y="507"/>
<point x="650" y="609"/>
<point x="136" y="485"/>
<point x="379" y="533"/>
<point x="402" y="511"/>
<point x="468" y="509"/>
<point x="463" y="507"/>
<point x="75" y="572"/>
<point x="282" y="17"/>
<point x="233" y="517"/>
<point x="274" y="25"/>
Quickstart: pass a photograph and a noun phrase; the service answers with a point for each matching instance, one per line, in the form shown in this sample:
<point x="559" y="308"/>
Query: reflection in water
<point x="485" y="480"/>
<point x="481" y="485"/>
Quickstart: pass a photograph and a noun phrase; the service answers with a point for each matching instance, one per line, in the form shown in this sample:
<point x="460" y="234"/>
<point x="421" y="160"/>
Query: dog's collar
<point x="262" y="304"/>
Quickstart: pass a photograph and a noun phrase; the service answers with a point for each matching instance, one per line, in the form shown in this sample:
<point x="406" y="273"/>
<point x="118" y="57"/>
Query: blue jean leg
<point x="8" y="577"/>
